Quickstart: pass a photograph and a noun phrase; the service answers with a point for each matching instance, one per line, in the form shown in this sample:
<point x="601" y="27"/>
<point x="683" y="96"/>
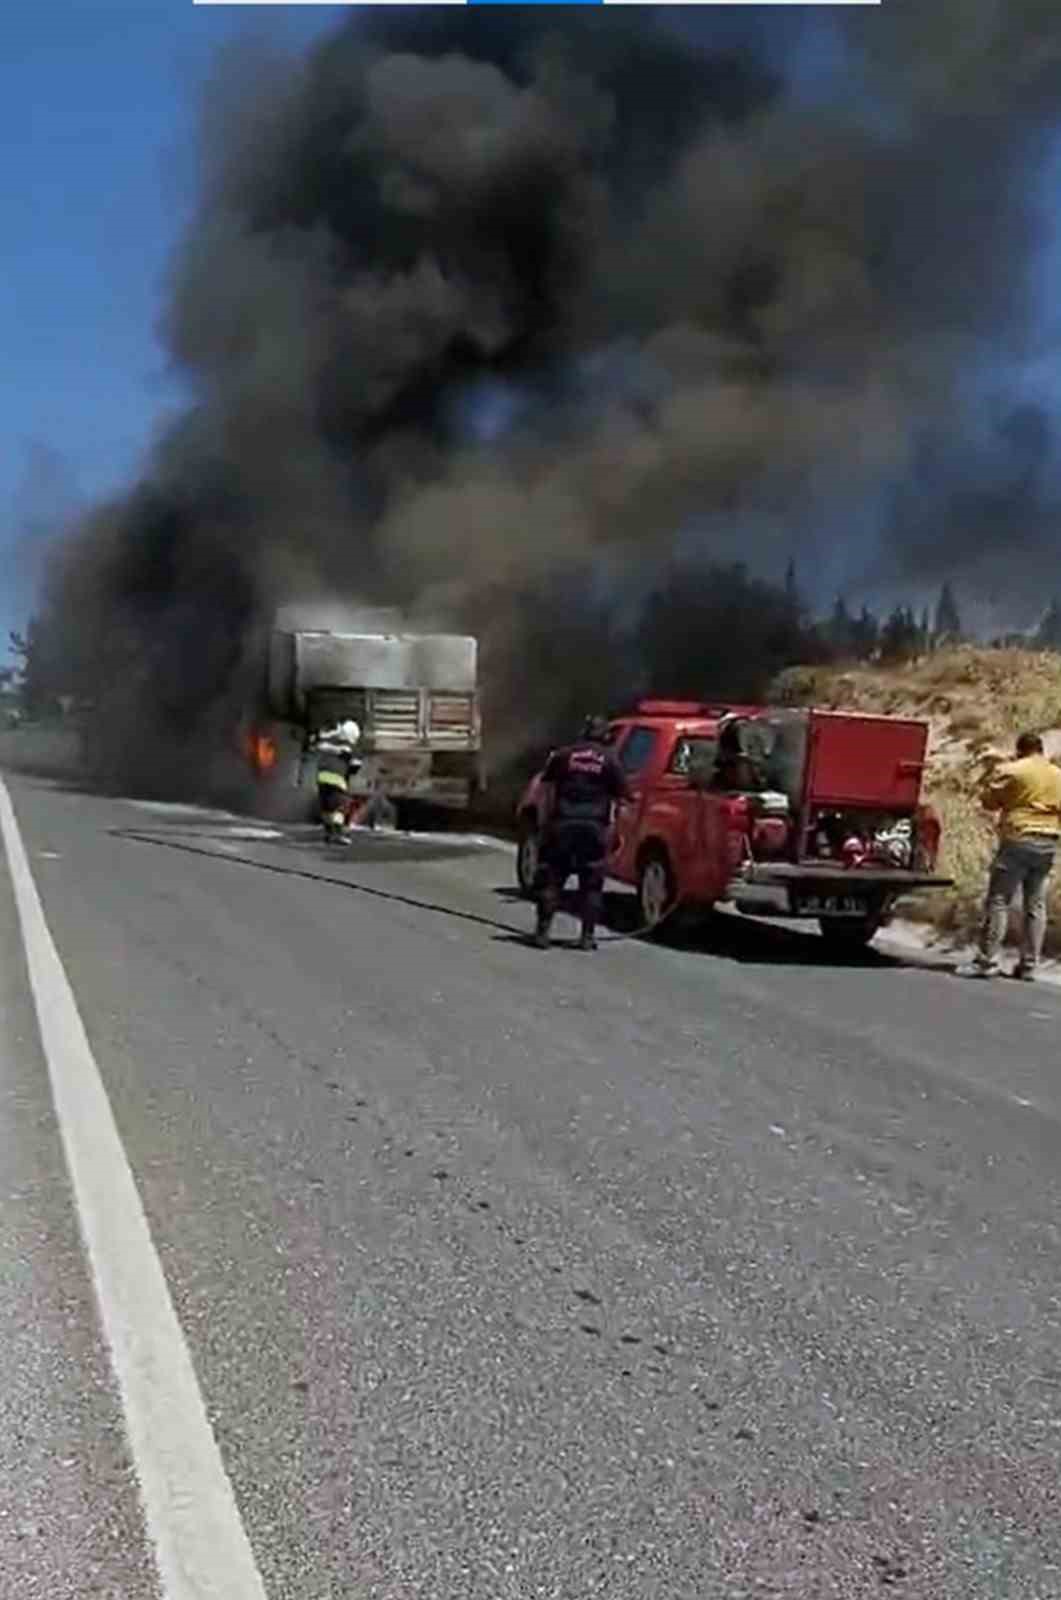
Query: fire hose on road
<point x="142" y="836"/>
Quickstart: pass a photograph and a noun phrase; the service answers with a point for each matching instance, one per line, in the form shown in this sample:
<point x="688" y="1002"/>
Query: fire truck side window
<point x="637" y="750"/>
<point x="694" y="757"/>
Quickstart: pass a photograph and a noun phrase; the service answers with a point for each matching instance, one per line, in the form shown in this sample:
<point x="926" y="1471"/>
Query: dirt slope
<point x="975" y="701"/>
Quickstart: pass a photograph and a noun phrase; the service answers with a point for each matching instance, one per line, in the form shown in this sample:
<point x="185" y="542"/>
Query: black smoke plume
<point x="535" y="322"/>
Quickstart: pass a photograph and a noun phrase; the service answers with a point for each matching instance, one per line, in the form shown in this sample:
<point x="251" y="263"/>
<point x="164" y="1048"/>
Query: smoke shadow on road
<point x="717" y="935"/>
<point x="731" y="937"/>
<point x="365" y="849"/>
<point x="168" y="842"/>
<point x="723" y="936"/>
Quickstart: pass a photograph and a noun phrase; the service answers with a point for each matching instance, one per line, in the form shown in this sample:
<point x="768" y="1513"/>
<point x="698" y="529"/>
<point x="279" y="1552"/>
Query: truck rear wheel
<point x="655" y="891"/>
<point x="527" y="855"/>
<point x="406" y="816"/>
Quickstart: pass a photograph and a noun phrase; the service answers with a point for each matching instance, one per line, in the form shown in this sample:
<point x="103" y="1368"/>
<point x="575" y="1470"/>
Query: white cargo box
<point x="302" y="662"/>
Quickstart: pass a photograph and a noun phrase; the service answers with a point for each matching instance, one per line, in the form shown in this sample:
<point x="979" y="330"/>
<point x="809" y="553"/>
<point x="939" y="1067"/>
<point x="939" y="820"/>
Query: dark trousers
<point x="1024" y="865"/>
<point x="335" y="805"/>
<point x="569" y="849"/>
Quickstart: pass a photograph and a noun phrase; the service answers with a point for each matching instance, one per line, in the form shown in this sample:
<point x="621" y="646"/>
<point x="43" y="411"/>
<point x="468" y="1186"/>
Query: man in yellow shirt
<point x="1026" y="794"/>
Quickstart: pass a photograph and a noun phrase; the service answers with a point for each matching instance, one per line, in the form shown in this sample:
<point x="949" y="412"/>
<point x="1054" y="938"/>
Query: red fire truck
<point x="780" y="812"/>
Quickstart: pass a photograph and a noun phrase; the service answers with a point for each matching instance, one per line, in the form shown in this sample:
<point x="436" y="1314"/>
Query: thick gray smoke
<point x="525" y="322"/>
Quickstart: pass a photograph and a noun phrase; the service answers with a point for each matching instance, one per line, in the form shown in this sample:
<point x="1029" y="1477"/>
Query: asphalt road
<point x="713" y="1269"/>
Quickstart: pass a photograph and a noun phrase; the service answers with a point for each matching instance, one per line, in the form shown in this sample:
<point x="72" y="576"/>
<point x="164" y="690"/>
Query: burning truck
<point x="415" y="697"/>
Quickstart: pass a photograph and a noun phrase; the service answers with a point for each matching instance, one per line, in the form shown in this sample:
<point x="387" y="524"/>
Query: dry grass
<point x="975" y="701"/>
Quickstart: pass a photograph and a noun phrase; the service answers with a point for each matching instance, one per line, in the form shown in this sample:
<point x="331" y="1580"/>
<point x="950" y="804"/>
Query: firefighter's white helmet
<point x="350" y="731"/>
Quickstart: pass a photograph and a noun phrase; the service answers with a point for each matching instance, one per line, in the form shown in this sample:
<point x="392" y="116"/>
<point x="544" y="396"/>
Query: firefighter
<point x="584" y="783"/>
<point x="337" y="762"/>
<point x="737" y="769"/>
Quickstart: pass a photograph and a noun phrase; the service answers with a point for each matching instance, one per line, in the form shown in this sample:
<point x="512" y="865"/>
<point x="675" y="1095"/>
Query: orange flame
<point x="260" y="751"/>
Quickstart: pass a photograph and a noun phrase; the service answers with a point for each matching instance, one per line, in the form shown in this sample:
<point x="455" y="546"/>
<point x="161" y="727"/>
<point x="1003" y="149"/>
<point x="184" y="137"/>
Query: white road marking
<point x="240" y="832"/>
<point x="200" y="1544"/>
<point x="176" y="808"/>
<point x="458" y="841"/>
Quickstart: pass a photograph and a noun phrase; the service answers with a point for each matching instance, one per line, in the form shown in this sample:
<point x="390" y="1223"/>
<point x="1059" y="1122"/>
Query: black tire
<point x="656" y="891"/>
<point x="527" y="845"/>
<point x="406" y="816"/>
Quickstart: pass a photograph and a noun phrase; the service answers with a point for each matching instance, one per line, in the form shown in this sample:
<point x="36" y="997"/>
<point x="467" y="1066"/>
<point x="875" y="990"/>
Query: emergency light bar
<point x="679" y="708"/>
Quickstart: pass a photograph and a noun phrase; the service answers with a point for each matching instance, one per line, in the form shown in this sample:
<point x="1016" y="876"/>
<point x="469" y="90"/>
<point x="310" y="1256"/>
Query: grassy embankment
<point x="975" y="701"/>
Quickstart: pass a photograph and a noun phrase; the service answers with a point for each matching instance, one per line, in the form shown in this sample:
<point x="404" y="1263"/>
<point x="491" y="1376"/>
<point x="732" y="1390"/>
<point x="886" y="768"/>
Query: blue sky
<point x="97" y="117"/>
<point x="97" y="111"/>
<point x="97" y="166"/>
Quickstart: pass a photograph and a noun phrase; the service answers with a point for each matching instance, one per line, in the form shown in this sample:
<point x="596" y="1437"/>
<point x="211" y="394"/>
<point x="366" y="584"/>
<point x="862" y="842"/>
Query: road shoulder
<point x="70" y="1523"/>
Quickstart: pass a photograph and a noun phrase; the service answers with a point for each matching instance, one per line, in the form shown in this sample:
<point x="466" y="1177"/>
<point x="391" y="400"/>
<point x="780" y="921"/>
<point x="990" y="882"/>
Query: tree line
<point x="901" y="635"/>
<point x="713" y="630"/>
<point x="904" y="634"/>
<point x="36" y="682"/>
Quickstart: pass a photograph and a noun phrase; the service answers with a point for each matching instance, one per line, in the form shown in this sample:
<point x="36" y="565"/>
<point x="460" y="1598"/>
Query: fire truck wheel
<point x="527" y="855"/>
<point x="655" y="890"/>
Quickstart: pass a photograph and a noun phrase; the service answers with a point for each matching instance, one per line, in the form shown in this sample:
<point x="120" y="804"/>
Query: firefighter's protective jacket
<point x="337" y="758"/>
<point x="586" y="781"/>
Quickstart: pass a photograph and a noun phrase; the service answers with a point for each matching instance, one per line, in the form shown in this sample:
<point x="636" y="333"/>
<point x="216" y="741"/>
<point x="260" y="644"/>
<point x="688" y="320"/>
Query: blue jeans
<point x="1023" y="864"/>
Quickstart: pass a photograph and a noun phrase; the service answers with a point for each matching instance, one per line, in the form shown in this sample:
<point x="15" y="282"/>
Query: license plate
<point x="833" y="905"/>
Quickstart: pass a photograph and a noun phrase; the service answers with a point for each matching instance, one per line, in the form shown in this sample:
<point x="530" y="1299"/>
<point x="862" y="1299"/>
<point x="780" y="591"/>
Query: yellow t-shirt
<point x="1027" y="792"/>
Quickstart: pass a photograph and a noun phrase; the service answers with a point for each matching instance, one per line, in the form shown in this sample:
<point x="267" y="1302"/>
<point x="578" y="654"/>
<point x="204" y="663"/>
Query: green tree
<point x="37" y="679"/>
<point x="793" y="597"/>
<point x="948" y="620"/>
<point x="901" y="636"/>
<point x="840" y="630"/>
<point x="927" y="631"/>
<point x="720" y="632"/>
<point x="865" y="634"/>
<point x="1048" y="633"/>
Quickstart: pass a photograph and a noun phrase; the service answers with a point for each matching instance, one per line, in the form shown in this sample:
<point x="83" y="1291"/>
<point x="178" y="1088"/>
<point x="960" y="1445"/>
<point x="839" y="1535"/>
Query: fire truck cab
<point x="780" y="812"/>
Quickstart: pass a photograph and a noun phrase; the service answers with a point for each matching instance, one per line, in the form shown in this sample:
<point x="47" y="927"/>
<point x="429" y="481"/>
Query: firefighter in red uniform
<point x="585" y="783"/>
